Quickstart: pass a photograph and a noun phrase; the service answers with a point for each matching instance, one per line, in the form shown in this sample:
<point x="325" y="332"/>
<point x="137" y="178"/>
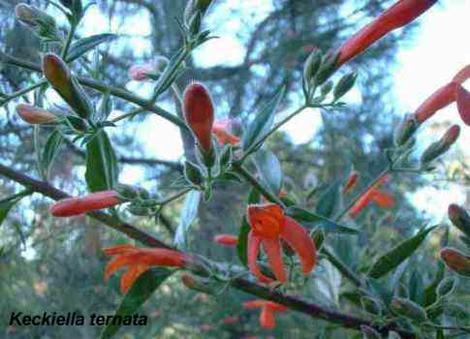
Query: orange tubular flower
<point x="199" y="113"/>
<point x="139" y="260"/>
<point x="268" y="309"/>
<point x="268" y="226"/>
<point x="382" y="199"/>
<point x="226" y="239"/>
<point x="444" y="96"/>
<point x="220" y="130"/>
<point x="79" y="205"/>
<point x="400" y="14"/>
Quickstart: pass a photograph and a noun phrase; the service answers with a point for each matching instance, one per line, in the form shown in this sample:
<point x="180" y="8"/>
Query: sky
<point x="438" y="49"/>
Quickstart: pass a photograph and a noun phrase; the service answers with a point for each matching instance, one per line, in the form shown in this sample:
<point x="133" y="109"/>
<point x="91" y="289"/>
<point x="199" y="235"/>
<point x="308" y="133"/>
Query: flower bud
<point x="192" y="173"/>
<point x="446" y="286"/>
<point x="140" y="72"/>
<point x="327" y="68"/>
<point x="79" y="205"/>
<point x="59" y="76"/>
<point x="408" y="309"/>
<point x="456" y="261"/>
<point x="42" y="24"/>
<point x="460" y="218"/>
<point x="438" y="148"/>
<point x="406" y="130"/>
<point x="226" y="240"/>
<point x="199" y="114"/>
<point x="351" y="182"/>
<point x="311" y="66"/>
<point x="344" y="85"/>
<point x="35" y="115"/>
<point x="196" y="284"/>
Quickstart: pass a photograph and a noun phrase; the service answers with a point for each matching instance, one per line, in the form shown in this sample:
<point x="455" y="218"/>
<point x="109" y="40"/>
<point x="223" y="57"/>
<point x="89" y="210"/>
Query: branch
<point x="101" y="87"/>
<point x="294" y="303"/>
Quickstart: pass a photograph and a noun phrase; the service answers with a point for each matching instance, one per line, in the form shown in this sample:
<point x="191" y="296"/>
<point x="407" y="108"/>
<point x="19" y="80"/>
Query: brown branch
<point x="294" y="303"/>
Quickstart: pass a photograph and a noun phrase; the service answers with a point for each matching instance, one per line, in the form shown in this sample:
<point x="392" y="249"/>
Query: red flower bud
<point x="140" y="72"/>
<point x="35" y="115"/>
<point x="79" y="205"/>
<point x="59" y="76"/>
<point x="460" y="218"/>
<point x="455" y="260"/>
<point x="400" y="14"/>
<point x="199" y="113"/>
<point x="351" y="183"/>
<point x="226" y="240"/>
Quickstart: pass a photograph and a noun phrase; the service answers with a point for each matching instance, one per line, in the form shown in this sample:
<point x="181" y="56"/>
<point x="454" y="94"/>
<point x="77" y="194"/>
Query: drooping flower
<point x="400" y="14"/>
<point x="268" y="310"/>
<point x="381" y="198"/>
<point x="456" y="261"/>
<point x="226" y="239"/>
<point x="91" y="202"/>
<point x="221" y="131"/>
<point x="35" y="115"/>
<point x="268" y="226"/>
<point x="444" y="96"/>
<point x="351" y="182"/>
<point x="139" y="260"/>
<point x="199" y="113"/>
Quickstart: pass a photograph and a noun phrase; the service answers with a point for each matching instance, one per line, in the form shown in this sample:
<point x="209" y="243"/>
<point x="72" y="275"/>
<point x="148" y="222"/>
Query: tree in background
<point x="276" y="48"/>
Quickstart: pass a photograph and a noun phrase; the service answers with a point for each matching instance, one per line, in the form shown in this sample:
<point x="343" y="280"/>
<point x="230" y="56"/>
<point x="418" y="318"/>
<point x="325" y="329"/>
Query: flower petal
<point x="130" y="276"/>
<point x="254" y="304"/>
<point x="119" y="249"/>
<point x="274" y="254"/>
<point x="438" y="100"/>
<point x="253" y="250"/>
<point x="266" y="318"/>
<point x="463" y="104"/>
<point x="276" y="307"/>
<point x="297" y="238"/>
<point x="462" y="75"/>
<point x="383" y="199"/>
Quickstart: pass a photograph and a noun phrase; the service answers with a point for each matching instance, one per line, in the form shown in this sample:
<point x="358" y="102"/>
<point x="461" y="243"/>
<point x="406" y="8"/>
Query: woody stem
<point x="300" y="305"/>
<point x="256" y="184"/>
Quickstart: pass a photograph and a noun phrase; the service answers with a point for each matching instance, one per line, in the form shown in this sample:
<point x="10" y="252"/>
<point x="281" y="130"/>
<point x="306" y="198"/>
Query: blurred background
<point x="57" y="265"/>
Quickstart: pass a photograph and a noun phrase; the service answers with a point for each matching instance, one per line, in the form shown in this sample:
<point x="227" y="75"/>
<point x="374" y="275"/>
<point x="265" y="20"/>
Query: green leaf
<point x="269" y="171"/>
<point x="7" y="203"/>
<point x="50" y="151"/>
<point x="430" y="292"/>
<point x="390" y="260"/>
<point x="188" y="215"/>
<point x="101" y="164"/>
<point x="84" y="45"/>
<point x="328" y="200"/>
<point x="140" y="291"/>
<point x="242" y="244"/>
<point x="415" y="287"/>
<point x="311" y="219"/>
<point x="263" y="122"/>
